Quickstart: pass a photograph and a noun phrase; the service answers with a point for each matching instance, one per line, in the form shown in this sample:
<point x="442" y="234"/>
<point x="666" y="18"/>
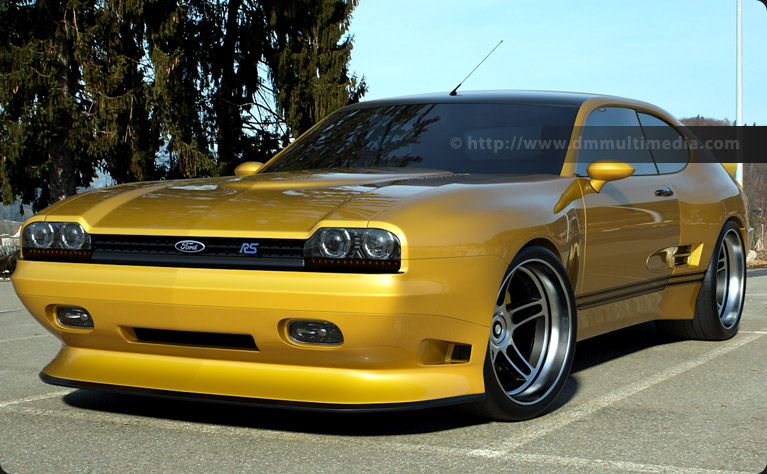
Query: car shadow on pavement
<point x="617" y="344"/>
<point x="608" y="347"/>
<point x="756" y="272"/>
<point x="589" y="353"/>
<point x="338" y="423"/>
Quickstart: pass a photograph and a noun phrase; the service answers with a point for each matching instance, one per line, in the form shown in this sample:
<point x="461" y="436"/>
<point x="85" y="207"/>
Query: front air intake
<point x="196" y="339"/>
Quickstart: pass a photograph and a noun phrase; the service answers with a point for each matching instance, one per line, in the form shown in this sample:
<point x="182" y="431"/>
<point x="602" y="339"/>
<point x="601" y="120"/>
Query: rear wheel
<point x="532" y="338"/>
<point x="720" y="300"/>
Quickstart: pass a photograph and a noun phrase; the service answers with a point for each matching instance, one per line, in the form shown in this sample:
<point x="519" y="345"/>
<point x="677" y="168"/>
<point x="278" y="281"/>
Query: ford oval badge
<point x="190" y="246"/>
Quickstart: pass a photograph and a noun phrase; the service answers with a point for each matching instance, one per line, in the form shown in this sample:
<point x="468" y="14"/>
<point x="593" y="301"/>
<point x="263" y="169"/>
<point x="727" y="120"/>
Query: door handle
<point x="664" y="192"/>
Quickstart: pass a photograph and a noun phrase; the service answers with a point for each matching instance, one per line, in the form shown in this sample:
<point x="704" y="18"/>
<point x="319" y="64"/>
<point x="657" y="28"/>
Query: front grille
<point x="196" y="339"/>
<point x="208" y="252"/>
<point x="232" y="253"/>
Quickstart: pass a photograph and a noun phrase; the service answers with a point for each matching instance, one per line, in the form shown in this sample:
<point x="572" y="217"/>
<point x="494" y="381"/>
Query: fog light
<point x="74" y="317"/>
<point x="315" y="332"/>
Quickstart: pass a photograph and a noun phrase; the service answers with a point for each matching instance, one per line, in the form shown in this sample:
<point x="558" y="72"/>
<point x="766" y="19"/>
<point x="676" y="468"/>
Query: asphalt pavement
<point x="635" y="402"/>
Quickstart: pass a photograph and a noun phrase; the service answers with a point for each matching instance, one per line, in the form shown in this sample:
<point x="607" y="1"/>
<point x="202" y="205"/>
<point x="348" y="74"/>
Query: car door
<point x="632" y="224"/>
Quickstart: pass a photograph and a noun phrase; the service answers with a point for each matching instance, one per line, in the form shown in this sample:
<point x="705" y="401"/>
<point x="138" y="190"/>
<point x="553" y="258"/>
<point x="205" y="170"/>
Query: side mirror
<point x="602" y="171"/>
<point x="248" y="168"/>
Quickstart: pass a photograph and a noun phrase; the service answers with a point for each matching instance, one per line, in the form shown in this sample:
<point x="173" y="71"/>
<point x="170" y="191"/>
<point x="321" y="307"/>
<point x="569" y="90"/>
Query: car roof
<point x="572" y="99"/>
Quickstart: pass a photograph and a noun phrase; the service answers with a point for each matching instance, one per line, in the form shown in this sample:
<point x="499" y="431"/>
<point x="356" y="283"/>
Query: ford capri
<point x="403" y="253"/>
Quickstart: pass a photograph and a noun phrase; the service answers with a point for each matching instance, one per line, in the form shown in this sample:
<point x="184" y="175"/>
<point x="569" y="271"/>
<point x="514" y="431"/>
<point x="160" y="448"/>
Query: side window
<point x="667" y="145"/>
<point x="614" y="133"/>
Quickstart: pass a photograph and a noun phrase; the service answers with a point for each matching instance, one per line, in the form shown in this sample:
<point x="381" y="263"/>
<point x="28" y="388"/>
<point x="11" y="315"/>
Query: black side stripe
<point x="685" y="279"/>
<point x="653" y="282"/>
<point x="611" y="295"/>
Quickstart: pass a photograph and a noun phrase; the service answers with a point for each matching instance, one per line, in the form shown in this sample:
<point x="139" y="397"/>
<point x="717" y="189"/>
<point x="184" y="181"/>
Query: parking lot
<point x="635" y="402"/>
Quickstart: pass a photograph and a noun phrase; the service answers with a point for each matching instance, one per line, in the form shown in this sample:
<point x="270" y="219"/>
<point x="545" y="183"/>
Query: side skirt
<point x="612" y="295"/>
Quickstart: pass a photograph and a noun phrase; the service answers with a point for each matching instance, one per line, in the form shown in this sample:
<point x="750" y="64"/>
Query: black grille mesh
<point x="218" y="252"/>
<point x="267" y="248"/>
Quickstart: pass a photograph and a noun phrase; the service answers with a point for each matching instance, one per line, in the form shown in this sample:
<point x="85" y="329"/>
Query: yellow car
<point x="403" y="253"/>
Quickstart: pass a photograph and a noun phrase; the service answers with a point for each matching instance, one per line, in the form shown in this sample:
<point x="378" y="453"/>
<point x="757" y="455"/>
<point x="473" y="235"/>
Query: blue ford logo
<point x="190" y="246"/>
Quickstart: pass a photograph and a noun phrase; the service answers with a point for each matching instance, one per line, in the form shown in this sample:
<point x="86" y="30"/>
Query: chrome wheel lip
<point x="730" y="279"/>
<point x="553" y="335"/>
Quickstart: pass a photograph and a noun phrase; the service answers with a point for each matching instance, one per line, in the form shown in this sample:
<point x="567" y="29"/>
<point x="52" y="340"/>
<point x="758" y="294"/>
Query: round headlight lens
<point x="39" y="235"/>
<point x="335" y="243"/>
<point x="378" y="244"/>
<point x="73" y="236"/>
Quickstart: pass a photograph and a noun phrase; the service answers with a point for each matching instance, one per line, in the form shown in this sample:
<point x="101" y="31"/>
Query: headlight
<point x="353" y="250"/>
<point x="335" y="243"/>
<point x="73" y="237"/>
<point x="38" y="235"/>
<point x="57" y="241"/>
<point x="378" y="244"/>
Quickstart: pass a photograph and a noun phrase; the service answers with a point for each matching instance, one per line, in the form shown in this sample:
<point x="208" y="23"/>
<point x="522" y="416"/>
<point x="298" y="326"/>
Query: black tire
<point x="720" y="301"/>
<point x="532" y="338"/>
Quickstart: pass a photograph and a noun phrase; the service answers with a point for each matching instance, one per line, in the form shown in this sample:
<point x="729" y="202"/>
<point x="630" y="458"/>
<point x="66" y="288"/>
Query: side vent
<point x="682" y="255"/>
<point x="675" y="257"/>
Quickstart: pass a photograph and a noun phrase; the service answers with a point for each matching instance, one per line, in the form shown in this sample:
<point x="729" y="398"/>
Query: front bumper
<point x="398" y="331"/>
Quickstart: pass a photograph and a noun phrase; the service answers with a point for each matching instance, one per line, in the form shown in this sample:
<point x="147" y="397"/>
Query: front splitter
<point x="259" y="402"/>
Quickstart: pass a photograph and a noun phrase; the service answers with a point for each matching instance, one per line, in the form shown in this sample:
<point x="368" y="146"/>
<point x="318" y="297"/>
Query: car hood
<point x="287" y="205"/>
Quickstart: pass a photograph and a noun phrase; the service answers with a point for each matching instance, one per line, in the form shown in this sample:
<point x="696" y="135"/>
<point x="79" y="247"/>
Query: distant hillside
<point x="13" y="212"/>
<point x="704" y="121"/>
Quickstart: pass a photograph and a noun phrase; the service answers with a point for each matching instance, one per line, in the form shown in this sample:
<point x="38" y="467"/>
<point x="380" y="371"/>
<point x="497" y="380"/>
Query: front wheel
<point x="532" y="338"/>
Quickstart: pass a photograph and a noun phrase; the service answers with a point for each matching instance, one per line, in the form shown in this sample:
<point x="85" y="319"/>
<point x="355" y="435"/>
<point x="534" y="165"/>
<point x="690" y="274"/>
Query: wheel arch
<point x="536" y="242"/>
<point x="571" y="264"/>
<point x="735" y="219"/>
<point x="545" y="243"/>
<point x="743" y="228"/>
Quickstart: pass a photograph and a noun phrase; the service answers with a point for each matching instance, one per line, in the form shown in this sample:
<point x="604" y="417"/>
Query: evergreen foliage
<point x="308" y="57"/>
<point x="156" y="89"/>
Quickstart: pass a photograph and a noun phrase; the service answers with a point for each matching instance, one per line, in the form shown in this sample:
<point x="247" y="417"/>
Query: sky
<point x="676" y="54"/>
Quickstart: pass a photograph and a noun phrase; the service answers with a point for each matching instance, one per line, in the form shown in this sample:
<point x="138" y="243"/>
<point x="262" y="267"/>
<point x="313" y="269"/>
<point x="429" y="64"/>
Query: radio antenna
<point x="455" y="91"/>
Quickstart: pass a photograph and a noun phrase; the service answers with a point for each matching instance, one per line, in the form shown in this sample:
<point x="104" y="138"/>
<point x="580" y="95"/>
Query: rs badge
<point x="249" y="248"/>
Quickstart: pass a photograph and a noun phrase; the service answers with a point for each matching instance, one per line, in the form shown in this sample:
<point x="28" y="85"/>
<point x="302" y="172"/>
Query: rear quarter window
<point x="669" y="148"/>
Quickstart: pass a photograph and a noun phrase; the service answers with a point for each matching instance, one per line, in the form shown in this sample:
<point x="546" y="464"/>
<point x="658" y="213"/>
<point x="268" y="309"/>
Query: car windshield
<point x="461" y="138"/>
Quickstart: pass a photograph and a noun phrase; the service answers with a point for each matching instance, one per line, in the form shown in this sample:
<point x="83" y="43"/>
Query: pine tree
<point x="179" y="110"/>
<point x="43" y="111"/>
<point x="73" y="98"/>
<point x="236" y="82"/>
<point x="115" y="74"/>
<point x="308" y="57"/>
<point x="152" y="89"/>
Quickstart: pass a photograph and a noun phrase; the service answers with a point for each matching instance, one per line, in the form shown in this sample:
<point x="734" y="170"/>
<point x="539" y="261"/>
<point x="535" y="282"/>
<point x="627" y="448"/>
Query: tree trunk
<point x="61" y="163"/>
<point x="61" y="174"/>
